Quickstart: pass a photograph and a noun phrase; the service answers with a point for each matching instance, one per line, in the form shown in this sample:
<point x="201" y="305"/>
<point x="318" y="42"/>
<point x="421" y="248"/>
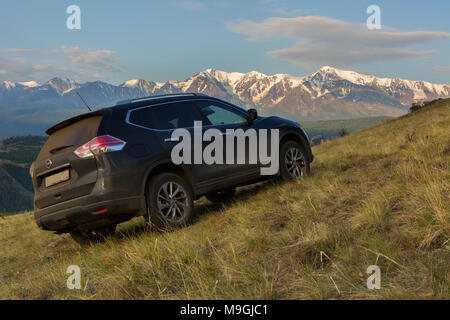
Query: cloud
<point x="441" y="69"/>
<point x="87" y="59"/>
<point x="36" y="51"/>
<point x="18" y="69"/>
<point x="326" y="41"/>
<point x="71" y="62"/>
<point x="13" y="67"/>
<point x="99" y="60"/>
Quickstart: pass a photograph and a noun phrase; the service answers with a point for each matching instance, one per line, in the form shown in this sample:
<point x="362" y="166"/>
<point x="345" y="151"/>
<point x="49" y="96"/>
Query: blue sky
<point x="174" y="39"/>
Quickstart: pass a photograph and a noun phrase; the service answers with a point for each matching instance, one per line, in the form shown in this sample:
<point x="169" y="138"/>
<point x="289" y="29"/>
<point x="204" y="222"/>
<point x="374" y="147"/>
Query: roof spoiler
<point x="70" y="121"/>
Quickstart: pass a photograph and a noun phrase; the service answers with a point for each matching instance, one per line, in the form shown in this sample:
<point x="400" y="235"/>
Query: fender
<point x="165" y="163"/>
<point x="301" y="135"/>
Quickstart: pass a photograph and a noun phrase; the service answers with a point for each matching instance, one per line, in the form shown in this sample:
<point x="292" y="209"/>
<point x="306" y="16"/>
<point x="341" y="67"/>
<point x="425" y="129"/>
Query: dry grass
<point x="380" y="196"/>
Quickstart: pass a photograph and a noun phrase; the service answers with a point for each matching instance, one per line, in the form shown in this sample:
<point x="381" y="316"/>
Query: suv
<point x="105" y="167"/>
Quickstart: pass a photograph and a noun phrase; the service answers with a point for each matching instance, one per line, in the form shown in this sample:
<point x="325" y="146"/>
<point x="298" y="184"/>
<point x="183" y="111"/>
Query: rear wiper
<point x="54" y="150"/>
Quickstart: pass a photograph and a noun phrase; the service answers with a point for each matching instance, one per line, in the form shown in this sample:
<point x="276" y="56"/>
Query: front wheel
<point x="293" y="161"/>
<point x="170" y="201"/>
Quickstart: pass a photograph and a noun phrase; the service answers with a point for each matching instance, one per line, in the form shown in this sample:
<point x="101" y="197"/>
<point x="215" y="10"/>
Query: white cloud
<point x="326" y="41"/>
<point x="14" y="67"/>
<point x="36" y="51"/>
<point x="18" y="69"/>
<point x="72" y="62"/>
<point x="100" y="60"/>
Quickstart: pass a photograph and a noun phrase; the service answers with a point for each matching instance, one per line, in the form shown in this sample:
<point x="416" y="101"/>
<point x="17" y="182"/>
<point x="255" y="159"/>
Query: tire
<point x="86" y="237"/>
<point x="170" y="201"/>
<point x="293" y="161"/>
<point x="221" y="196"/>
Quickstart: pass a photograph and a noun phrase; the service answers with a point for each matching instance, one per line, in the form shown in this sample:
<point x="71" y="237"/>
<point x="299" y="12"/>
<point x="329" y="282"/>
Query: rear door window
<point x="165" y="117"/>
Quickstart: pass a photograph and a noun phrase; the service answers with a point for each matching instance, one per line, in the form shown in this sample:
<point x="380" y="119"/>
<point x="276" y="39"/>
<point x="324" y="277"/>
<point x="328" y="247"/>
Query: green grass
<point x="331" y="128"/>
<point x="380" y="196"/>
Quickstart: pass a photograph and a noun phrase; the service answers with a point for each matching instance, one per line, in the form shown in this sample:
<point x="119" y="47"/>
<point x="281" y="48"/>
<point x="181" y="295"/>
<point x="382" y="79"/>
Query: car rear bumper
<point x="89" y="212"/>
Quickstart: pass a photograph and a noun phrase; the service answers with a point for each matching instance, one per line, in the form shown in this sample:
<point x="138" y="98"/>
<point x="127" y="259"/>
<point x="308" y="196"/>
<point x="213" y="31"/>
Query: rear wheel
<point x="170" y="201"/>
<point x="85" y="237"/>
<point x="222" y="195"/>
<point x="293" y="161"/>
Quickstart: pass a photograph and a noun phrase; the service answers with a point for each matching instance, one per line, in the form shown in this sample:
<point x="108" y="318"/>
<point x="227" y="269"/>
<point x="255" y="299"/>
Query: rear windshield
<point x="71" y="137"/>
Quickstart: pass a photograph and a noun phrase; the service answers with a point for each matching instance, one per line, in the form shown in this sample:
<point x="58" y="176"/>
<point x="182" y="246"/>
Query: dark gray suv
<point x="105" y="167"/>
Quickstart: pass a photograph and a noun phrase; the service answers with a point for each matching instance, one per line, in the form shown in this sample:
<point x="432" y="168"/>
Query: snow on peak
<point x="328" y="69"/>
<point x="228" y="77"/>
<point x="257" y="74"/>
<point x="131" y="83"/>
<point x="30" y="84"/>
<point x="9" y="84"/>
<point x="141" y="84"/>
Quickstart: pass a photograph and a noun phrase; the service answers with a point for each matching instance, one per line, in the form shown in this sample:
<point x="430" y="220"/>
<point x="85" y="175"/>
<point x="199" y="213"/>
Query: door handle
<point x="171" y="139"/>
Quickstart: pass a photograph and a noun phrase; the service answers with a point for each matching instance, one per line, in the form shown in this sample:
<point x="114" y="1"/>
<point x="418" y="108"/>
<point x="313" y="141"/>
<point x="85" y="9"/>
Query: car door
<point x="226" y="117"/>
<point x="162" y="120"/>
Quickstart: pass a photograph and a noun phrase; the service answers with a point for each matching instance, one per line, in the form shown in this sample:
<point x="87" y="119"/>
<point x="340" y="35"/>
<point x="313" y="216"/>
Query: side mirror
<point x="252" y="115"/>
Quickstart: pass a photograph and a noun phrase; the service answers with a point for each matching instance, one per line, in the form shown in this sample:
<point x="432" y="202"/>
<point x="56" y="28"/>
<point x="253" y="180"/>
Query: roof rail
<point x="180" y="94"/>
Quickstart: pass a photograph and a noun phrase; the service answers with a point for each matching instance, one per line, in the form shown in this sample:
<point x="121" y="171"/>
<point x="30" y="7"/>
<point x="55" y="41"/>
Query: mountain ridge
<point x="232" y="78"/>
<point x="326" y="94"/>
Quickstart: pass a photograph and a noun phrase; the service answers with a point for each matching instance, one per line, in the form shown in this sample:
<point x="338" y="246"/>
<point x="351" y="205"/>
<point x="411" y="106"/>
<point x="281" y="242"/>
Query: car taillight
<point x="98" y="145"/>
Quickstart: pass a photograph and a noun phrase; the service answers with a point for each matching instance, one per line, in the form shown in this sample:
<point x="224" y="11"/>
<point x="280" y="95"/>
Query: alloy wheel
<point x="294" y="162"/>
<point x="172" y="201"/>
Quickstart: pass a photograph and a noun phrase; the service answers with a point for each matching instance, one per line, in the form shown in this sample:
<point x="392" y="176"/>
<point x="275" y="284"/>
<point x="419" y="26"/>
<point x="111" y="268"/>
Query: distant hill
<point x="333" y="128"/>
<point x="16" y="192"/>
<point x="16" y="189"/>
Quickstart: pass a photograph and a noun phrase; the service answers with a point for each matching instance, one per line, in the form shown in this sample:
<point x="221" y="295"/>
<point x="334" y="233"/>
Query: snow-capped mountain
<point x="329" y="93"/>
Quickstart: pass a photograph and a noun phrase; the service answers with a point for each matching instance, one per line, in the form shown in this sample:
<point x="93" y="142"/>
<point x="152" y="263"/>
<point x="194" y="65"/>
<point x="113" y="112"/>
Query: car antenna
<point x="83" y="100"/>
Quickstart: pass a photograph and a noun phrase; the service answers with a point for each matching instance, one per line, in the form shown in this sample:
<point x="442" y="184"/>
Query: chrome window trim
<point x="127" y="118"/>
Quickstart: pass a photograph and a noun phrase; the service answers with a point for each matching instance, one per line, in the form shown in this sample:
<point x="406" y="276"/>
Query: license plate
<point x="56" y="178"/>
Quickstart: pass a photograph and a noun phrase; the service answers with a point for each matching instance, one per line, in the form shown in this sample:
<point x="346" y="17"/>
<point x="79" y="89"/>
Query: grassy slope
<point x="375" y="197"/>
<point x="328" y="128"/>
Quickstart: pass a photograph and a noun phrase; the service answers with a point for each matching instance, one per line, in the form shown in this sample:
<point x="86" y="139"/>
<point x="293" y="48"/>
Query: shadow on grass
<point x="138" y="227"/>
